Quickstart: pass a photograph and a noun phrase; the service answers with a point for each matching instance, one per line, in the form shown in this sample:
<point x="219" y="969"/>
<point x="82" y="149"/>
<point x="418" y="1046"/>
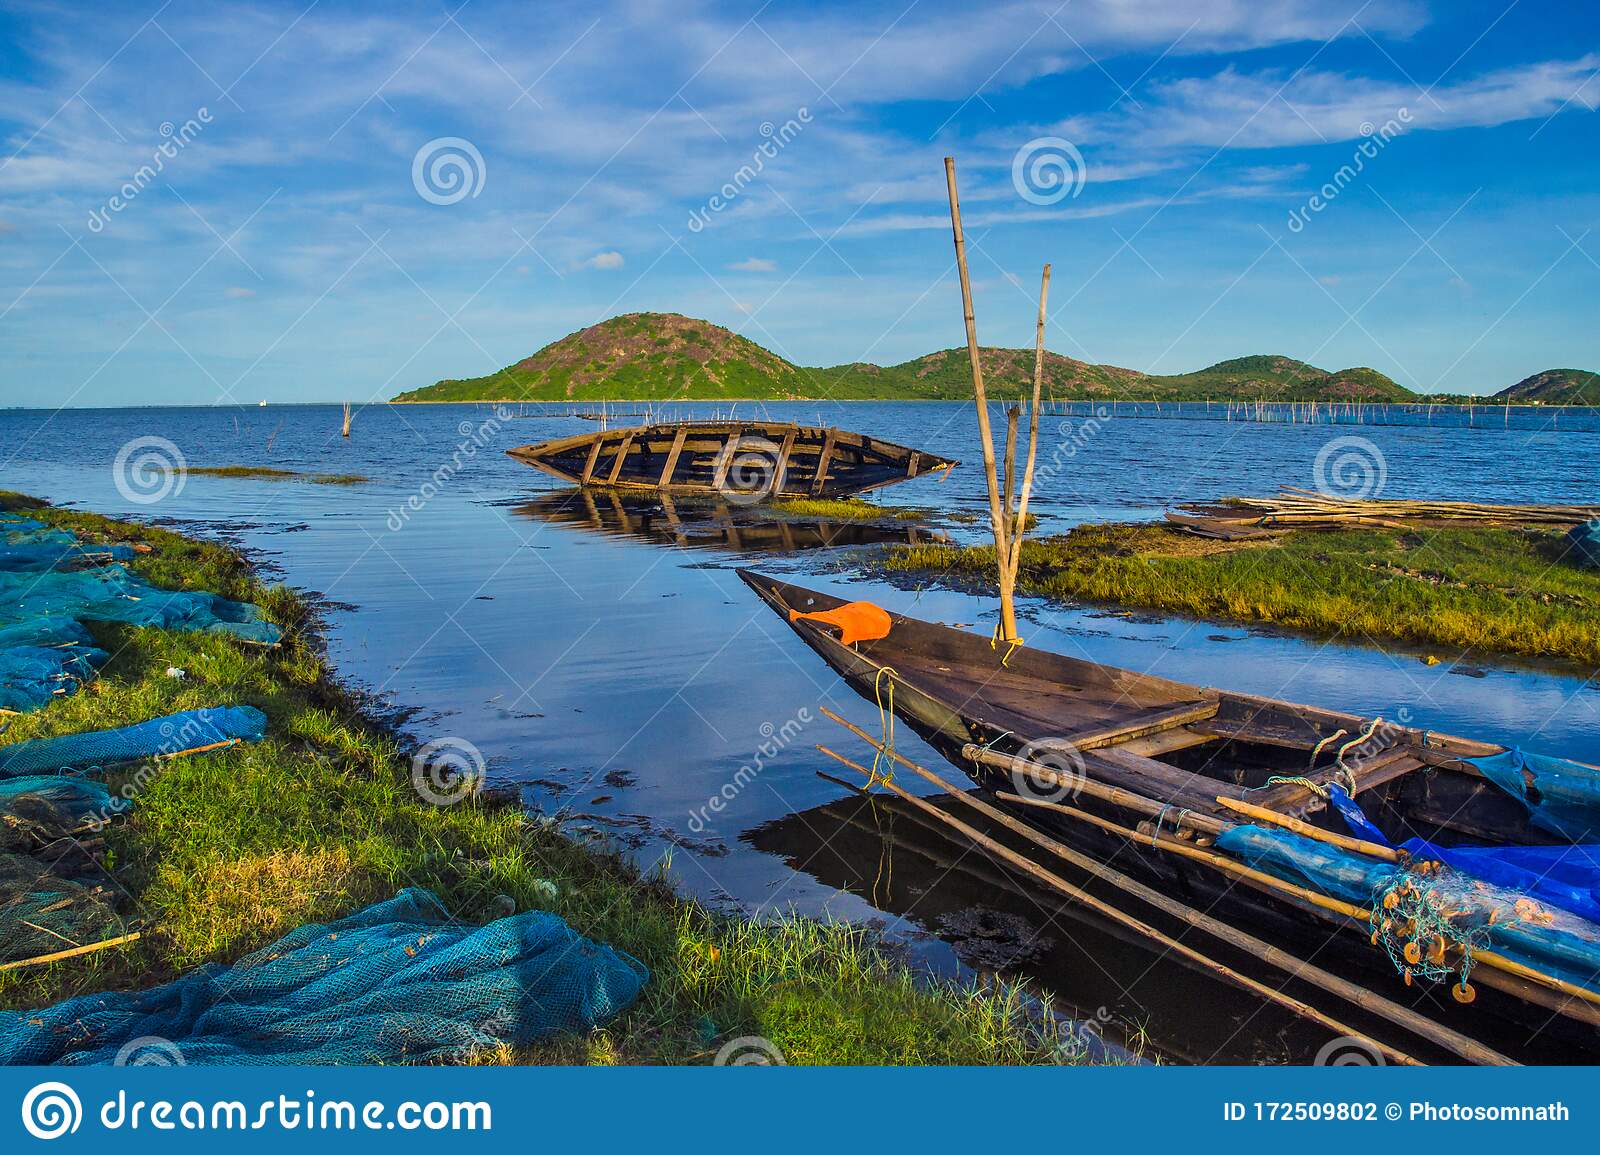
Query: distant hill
<point x="670" y="357"/>
<point x="1555" y="387"/>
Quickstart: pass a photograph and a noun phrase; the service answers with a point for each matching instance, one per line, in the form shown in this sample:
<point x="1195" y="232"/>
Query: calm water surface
<point x="618" y="668"/>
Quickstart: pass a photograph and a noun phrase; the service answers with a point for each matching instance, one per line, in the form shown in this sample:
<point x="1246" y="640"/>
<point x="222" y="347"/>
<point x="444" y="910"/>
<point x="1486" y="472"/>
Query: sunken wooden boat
<point x="1166" y="777"/>
<point x="754" y="459"/>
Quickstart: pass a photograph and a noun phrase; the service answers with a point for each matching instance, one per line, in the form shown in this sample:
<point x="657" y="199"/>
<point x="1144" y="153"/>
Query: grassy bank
<point x="1491" y="591"/>
<point x="225" y="851"/>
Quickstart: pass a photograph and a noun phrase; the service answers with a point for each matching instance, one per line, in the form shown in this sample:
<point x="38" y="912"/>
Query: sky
<point x="208" y="203"/>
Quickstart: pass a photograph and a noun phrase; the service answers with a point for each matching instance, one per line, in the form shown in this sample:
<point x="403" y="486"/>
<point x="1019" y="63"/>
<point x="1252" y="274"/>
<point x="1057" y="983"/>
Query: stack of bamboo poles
<point x="1306" y="509"/>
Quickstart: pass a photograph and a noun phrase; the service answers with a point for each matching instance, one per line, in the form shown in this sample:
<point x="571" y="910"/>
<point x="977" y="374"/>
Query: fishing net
<point x="1583" y="544"/>
<point x="1430" y="916"/>
<point x="182" y="733"/>
<point x="51" y="907"/>
<point x="397" y="982"/>
<point x="36" y="810"/>
<point x="31" y="675"/>
<point x="113" y="594"/>
<point x="33" y="547"/>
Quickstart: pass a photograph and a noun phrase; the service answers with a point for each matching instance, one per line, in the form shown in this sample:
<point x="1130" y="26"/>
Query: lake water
<point x="614" y="664"/>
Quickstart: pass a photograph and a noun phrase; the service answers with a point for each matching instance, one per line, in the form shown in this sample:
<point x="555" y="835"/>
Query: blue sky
<point x="292" y="247"/>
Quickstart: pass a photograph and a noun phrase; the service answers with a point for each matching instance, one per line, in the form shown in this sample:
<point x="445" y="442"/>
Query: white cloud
<point x="1266" y="110"/>
<point x="610" y="259"/>
<point x="755" y="265"/>
<point x="237" y="292"/>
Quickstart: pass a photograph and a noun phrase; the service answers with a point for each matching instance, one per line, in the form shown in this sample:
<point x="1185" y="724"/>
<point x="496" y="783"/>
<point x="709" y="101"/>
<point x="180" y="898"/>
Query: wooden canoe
<point x="1156" y="756"/>
<point x="753" y="460"/>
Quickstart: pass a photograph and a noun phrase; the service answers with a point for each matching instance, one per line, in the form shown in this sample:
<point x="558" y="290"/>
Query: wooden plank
<point x="1143" y="724"/>
<point x="622" y="456"/>
<point x="672" y="455"/>
<point x="823" y="459"/>
<point x="781" y="474"/>
<point x="594" y="456"/>
<point x="724" y="463"/>
<point x="913" y="463"/>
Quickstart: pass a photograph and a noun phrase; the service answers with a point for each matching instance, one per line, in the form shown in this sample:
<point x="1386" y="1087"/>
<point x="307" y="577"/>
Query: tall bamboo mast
<point x="1021" y="523"/>
<point x="997" y="516"/>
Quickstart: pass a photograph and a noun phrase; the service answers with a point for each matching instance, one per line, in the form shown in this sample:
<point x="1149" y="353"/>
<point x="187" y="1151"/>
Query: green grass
<point x="847" y="509"/>
<point x="225" y="851"/>
<point x="267" y="473"/>
<point x="1490" y="591"/>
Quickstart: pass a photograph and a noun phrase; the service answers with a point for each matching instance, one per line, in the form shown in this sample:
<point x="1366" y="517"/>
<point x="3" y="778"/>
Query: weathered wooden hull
<point x="1150" y="754"/>
<point x="737" y="459"/>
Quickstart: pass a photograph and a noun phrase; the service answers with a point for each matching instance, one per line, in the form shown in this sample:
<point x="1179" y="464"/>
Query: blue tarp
<point x="84" y="753"/>
<point x="1563" y="797"/>
<point x="397" y="982"/>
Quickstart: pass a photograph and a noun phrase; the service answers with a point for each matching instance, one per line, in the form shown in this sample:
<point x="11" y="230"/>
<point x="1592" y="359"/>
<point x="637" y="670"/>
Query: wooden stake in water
<point x="346" y="430"/>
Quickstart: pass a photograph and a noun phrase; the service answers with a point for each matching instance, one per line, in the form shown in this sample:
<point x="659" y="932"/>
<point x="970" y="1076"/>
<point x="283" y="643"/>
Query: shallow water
<point x="617" y="666"/>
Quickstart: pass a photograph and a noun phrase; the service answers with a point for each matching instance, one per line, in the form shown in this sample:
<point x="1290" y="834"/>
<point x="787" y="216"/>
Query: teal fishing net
<point x="1583" y="544"/>
<point x="35" y="810"/>
<point x="181" y="733"/>
<point x="1428" y="915"/>
<point x="113" y="594"/>
<point x="50" y="583"/>
<point x="396" y="982"/>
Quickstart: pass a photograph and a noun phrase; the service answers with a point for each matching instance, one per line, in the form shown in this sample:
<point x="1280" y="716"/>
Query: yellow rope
<point x="1011" y="643"/>
<point x="884" y="755"/>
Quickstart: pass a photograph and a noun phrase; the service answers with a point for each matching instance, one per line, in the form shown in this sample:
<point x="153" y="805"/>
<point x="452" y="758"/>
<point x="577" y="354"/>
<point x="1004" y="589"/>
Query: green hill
<point x="1554" y="387"/>
<point x="665" y="356"/>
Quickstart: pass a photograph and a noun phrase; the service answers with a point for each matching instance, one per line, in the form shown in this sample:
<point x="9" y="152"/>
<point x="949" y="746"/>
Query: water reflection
<point x="711" y="523"/>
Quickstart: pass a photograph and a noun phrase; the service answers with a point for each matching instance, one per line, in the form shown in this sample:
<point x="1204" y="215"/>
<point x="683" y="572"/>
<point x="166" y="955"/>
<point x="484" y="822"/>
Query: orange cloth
<point x="857" y="621"/>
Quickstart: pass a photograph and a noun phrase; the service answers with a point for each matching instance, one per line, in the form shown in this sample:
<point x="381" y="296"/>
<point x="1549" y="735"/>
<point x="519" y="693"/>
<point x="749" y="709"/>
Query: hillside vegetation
<point x="670" y="357"/>
<point x="1555" y="387"/>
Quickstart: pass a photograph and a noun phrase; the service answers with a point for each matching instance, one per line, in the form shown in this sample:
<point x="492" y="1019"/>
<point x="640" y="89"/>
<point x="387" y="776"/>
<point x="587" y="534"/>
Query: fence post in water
<point x="997" y="516"/>
<point x="346" y="429"/>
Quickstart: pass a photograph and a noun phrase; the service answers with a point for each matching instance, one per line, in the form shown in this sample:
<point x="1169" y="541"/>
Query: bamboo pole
<point x="1368" y="1000"/>
<point x="1008" y="610"/>
<point x="1015" y="559"/>
<point x="1343" y="842"/>
<point x="346" y="430"/>
<point x="75" y="952"/>
<point x="1106" y="910"/>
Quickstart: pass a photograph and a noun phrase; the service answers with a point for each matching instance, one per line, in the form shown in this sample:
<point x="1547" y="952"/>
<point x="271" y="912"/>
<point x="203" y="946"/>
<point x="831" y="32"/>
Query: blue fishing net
<point x="51" y="903"/>
<point x="1428" y="913"/>
<point x="36" y="809"/>
<point x="397" y="982"/>
<point x="174" y="734"/>
<point x="33" y="547"/>
<point x="1562" y="797"/>
<point x="31" y="675"/>
<point x="113" y="594"/>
